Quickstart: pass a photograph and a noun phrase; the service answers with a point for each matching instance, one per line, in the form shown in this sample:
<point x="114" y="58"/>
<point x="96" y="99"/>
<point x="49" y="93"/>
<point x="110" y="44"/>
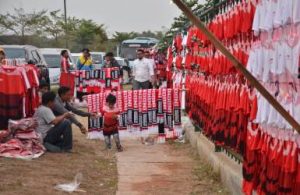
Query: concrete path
<point x="156" y="169"/>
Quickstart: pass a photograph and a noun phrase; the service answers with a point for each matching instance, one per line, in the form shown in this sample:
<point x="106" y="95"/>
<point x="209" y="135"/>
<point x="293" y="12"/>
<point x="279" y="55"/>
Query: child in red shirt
<point x="111" y="122"/>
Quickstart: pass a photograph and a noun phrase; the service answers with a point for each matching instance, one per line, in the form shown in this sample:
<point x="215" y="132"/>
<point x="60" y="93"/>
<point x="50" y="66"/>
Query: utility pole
<point x="66" y="27"/>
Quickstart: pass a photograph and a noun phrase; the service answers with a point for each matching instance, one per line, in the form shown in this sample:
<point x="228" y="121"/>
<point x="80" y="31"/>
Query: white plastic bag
<point x="71" y="187"/>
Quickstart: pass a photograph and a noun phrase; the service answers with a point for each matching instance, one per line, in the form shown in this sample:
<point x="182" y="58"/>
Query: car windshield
<point x="97" y="59"/>
<point x="15" y="52"/>
<point x="53" y="60"/>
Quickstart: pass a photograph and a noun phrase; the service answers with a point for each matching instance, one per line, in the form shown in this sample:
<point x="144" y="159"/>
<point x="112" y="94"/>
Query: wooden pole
<point x="66" y="26"/>
<point x="238" y="65"/>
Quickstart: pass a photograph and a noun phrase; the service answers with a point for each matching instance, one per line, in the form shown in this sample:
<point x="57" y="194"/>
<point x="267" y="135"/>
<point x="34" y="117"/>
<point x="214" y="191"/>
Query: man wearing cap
<point x="85" y="61"/>
<point x="152" y="62"/>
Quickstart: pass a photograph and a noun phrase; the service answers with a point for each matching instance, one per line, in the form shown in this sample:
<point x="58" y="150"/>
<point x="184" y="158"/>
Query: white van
<point x="53" y="58"/>
<point x="98" y="59"/>
<point x="75" y="57"/>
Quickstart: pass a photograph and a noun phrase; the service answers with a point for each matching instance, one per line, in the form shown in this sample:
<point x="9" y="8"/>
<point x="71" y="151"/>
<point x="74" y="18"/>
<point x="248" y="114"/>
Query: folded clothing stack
<point x="21" y="140"/>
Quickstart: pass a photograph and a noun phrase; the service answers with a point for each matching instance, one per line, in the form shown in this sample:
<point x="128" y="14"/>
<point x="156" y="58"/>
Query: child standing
<point x="111" y="122"/>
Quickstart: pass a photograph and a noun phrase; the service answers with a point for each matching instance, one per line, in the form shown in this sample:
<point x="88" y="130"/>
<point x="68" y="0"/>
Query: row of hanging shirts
<point x="288" y="96"/>
<point x="276" y="54"/>
<point x="271" y="14"/>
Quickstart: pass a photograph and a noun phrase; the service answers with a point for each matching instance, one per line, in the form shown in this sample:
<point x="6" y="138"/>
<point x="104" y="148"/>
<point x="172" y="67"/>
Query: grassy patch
<point x="39" y="176"/>
<point x="205" y="179"/>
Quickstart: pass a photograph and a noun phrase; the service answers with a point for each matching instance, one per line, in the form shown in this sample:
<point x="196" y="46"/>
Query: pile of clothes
<point x="21" y="140"/>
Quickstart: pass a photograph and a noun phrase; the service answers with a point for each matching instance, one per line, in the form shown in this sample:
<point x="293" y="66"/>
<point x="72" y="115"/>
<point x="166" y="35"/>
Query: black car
<point x="31" y="54"/>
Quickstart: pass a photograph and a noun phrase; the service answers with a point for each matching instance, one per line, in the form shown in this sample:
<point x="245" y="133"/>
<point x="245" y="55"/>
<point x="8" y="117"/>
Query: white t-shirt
<point x="152" y="61"/>
<point x="296" y="54"/>
<point x="44" y="116"/>
<point x="287" y="11"/>
<point x="296" y="11"/>
<point x="257" y="19"/>
<point x="142" y="70"/>
<point x="278" y="19"/>
<point x="280" y="57"/>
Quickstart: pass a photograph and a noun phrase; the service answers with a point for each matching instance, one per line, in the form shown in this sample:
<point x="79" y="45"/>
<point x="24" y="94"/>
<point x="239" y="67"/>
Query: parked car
<point x="98" y="59"/>
<point x="53" y="58"/>
<point x="75" y="57"/>
<point x="32" y="55"/>
<point x="122" y="61"/>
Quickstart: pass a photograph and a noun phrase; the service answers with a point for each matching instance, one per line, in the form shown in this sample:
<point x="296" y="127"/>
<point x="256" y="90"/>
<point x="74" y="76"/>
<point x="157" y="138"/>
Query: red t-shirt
<point x="110" y="119"/>
<point x="65" y="65"/>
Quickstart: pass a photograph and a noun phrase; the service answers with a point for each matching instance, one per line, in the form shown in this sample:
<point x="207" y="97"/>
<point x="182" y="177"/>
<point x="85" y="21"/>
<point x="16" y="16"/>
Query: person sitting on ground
<point x="2" y="55"/>
<point x="85" y="61"/>
<point x="64" y="63"/>
<point x="62" y="105"/>
<point x="56" y="131"/>
<point x="143" y="72"/>
<point x="111" y="122"/>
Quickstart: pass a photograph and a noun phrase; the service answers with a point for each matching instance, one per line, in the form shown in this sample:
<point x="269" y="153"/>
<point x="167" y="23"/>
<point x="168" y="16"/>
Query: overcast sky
<point x="117" y="15"/>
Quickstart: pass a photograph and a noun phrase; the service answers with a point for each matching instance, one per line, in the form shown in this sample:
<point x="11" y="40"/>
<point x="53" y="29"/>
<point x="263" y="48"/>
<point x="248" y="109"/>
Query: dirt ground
<point x="164" y="169"/>
<point x="174" y="169"/>
<point x="39" y="176"/>
<point x="203" y="180"/>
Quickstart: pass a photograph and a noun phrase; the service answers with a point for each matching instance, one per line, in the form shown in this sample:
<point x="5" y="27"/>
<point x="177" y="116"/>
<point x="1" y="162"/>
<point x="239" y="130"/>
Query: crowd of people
<point x="143" y="72"/>
<point x="56" y="112"/>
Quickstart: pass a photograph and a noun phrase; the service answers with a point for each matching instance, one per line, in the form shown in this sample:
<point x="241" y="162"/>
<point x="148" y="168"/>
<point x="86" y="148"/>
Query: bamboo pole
<point x="238" y="65"/>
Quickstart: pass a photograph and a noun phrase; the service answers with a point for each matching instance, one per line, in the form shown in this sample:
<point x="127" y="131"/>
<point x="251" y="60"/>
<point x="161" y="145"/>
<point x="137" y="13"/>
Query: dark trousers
<point x="61" y="135"/>
<point x="116" y="137"/>
<point x="141" y="85"/>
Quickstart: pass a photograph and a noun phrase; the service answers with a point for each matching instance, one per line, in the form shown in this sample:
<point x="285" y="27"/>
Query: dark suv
<point x="31" y="54"/>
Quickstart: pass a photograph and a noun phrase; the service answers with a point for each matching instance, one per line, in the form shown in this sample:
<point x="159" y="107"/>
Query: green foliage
<point x="22" y="24"/>
<point x="55" y="26"/>
<point x="85" y="33"/>
<point x="119" y="37"/>
<point x="48" y="29"/>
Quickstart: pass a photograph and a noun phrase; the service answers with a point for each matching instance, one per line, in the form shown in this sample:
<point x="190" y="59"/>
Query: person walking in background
<point x="85" y="61"/>
<point x="64" y="63"/>
<point x="110" y="60"/>
<point x="111" y="123"/>
<point x="152" y="62"/>
<point x="143" y="72"/>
